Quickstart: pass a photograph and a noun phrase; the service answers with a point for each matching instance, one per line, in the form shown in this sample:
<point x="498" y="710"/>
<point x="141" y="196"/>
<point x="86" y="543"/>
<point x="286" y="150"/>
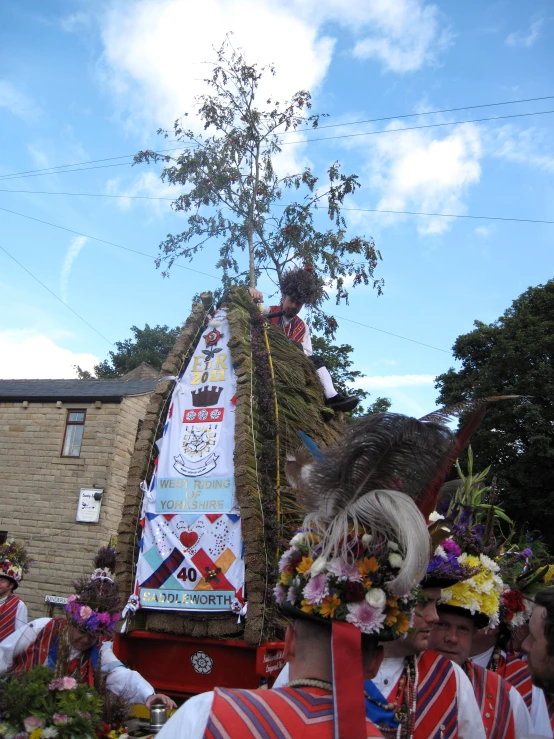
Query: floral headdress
<point x="14" y="561"/>
<point x="363" y="546"/>
<point x="95" y="607"/>
<point x="473" y="530"/>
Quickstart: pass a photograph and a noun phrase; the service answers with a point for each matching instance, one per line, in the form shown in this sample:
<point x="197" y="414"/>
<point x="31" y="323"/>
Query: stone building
<point x="65" y="451"/>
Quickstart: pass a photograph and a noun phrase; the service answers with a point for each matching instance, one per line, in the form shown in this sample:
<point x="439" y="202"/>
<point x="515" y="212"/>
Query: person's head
<point x="291" y="306"/>
<point x="539" y="644"/>
<point x="7" y="586"/>
<point x="452" y="635"/>
<point x="308" y="651"/>
<point x="425" y="617"/>
<point x="80" y="639"/>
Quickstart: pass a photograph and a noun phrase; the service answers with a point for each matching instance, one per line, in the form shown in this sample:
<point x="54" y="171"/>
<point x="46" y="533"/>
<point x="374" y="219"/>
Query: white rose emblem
<point x="191" y="415"/>
<point x="202" y="663"/>
<point x="215" y="414"/>
<point x="202" y="415"/>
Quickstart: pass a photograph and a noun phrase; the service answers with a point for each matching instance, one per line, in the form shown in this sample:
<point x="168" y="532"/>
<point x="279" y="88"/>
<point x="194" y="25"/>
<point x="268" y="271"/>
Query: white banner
<point x="191" y="548"/>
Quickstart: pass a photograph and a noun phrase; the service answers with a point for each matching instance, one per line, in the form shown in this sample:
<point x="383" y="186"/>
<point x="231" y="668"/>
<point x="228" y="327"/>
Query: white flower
<point x="366" y="539"/>
<point x="392" y="545"/>
<point x="435" y="517"/>
<point x="298" y="539"/>
<point x="446" y="595"/>
<point x="488" y="563"/>
<point x="376" y="598"/>
<point x="50" y="732"/>
<point x="318" y="566"/>
<point x="395" y="560"/>
<point x="439" y="552"/>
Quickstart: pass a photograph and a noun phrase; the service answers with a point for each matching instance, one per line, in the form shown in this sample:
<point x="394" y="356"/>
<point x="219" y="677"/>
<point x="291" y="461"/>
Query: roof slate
<point x="109" y="391"/>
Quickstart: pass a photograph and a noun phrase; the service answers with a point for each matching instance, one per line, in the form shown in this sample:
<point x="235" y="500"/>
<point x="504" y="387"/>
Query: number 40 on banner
<point x="188" y="574"/>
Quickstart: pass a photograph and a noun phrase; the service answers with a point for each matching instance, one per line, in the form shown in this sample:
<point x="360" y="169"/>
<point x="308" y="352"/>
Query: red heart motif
<point x="188" y="539"/>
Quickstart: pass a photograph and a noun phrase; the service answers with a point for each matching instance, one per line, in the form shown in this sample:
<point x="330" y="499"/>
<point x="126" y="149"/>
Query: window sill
<point x="69" y="460"/>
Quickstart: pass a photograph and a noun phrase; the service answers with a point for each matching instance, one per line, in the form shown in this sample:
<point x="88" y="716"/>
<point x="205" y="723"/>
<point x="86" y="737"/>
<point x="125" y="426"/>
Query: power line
<point x="53" y="170"/>
<point x="429" y="112"/>
<point x="278" y="205"/>
<point x="415" y="128"/>
<point x="103" y="241"/>
<point x="56" y="296"/>
<point x="206" y="274"/>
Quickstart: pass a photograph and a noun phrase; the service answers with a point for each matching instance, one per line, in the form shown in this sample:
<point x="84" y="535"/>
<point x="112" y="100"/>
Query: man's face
<point x="6" y="586"/>
<point x="424" y="620"/>
<point x="540" y="664"/>
<point x="80" y="640"/>
<point x="452" y="636"/>
<point x="291" y="307"/>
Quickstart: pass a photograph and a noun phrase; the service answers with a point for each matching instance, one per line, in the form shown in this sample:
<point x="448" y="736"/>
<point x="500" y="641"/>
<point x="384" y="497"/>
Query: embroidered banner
<point x="191" y="549"/>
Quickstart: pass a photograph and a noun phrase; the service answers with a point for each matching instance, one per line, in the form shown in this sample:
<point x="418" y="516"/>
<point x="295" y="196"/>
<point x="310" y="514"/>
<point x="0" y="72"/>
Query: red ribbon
<point x="348" y="682"/>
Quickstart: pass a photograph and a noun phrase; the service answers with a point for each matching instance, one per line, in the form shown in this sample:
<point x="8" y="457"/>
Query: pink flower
<point x="449" y="545"/>
<point x="71" y="598"/>
<point x="344" y="570"/>
<point x="279" y="593"/>
<point x="85" y="612"/>
<point x="365" y="617"/>
<point x="33" y="722"/>
<point x="60" y="718"/>
<point x="317" y="589"/>
<point x="69" y="683"/>
<point x="104" y="619"/>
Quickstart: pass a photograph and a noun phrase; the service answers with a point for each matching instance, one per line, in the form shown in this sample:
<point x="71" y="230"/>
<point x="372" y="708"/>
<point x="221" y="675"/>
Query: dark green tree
<point x="150" y="345"/>
<point x="513" y="355"/>
<point x="236" y="200"/>
<point x="338" y="362"/>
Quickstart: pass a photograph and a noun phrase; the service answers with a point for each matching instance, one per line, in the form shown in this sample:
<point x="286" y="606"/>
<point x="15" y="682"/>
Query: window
<point x="74" y="427"/>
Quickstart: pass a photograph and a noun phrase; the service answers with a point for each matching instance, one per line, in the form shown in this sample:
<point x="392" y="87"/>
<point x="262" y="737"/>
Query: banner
<point x="191" y="550"/>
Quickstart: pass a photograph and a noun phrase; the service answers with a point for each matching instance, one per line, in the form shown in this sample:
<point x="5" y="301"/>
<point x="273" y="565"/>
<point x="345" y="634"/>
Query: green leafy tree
<point x="338" y="362"/>
<point x="236" y="199"/>
<point x="150" y="345"/>
<point x="513" y="355"/>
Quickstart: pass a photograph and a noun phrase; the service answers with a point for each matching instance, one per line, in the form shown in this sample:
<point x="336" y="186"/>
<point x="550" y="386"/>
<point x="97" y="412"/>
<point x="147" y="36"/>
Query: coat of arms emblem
<point x="199" y="438"/>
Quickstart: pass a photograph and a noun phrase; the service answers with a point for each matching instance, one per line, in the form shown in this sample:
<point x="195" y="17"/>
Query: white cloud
<point x="406" y="34"/>
<point x="483" y="231"/>
<point x="380" y="382"/>
<point x="147" y="184"/>
<point x="16" y="102"/>
<point x="525" y="38"/>
<point x="415" y="171"/>
<point x="75" y="22"/>
<point x="19" y="353"/>
<point x="527" y="147"/>
<point x="71" y="255"/>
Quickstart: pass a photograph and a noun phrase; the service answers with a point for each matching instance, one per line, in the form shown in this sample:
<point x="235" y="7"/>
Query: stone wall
<point x="39" y="489"/>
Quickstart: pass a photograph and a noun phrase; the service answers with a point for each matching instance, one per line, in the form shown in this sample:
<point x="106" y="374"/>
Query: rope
<point x="277" y="439"/>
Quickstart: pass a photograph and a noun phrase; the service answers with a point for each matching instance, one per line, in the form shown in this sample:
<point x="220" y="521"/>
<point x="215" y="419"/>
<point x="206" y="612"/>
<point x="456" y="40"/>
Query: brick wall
<point x="39" y="489"/>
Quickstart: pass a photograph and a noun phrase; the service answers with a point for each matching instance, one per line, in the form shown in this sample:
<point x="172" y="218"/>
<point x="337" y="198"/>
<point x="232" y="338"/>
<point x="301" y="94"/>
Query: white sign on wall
<point x="88" y="508"/>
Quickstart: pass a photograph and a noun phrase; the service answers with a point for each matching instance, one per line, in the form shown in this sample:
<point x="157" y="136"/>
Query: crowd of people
<point x="410" y="613"/>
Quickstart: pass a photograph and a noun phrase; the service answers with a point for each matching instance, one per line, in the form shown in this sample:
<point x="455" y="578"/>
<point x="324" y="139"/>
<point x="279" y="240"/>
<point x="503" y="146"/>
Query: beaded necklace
<point x="310" y="682"/>
<point x="494" y="660"/>
<point x="405" y="703"/>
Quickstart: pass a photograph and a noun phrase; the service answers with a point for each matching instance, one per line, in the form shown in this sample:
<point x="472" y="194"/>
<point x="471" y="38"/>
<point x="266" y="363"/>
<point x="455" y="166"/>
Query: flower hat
<point x="474" y="517"/>
<point x="14" y="561"/>
<point x="95" y="606"/>
<point x="363" y="547"/>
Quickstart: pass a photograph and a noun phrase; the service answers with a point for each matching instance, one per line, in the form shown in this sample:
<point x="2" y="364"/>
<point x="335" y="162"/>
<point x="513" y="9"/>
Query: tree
<point x="513" y="355"/>
<point x="338" y="362"/>
<point x="150" y="345"/>
<point x="235" y="196"/>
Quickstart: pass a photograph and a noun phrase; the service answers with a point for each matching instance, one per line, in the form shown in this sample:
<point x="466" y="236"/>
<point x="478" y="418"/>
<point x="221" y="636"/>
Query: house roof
<point x="108" y="391"/>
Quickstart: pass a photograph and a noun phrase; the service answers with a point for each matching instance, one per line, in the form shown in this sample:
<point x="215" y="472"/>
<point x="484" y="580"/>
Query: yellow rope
<point x="277" y="442"/>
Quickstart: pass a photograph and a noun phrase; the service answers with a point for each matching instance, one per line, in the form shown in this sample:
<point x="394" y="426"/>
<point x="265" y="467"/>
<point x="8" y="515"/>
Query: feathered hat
<point x="475" y="516"/>
<point x="304" y="285"/>
<point x="364" y="545"/>
<point x="14" y="561"/>
<point x="95" y="606"/>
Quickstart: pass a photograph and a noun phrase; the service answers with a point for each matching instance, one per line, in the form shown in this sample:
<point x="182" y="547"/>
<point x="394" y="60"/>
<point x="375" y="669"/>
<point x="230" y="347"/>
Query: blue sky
<point x="82" y="81"/>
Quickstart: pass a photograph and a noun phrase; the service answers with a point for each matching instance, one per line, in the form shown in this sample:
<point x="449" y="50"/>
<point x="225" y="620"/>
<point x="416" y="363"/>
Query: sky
<point x="88" y="82"/>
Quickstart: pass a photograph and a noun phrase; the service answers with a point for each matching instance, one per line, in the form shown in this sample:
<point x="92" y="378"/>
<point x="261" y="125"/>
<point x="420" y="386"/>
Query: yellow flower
<point x="367" y="564"/>
<point x="304" y="565"/>
<point x="35" y="734"/>
<point x="392" y="616"/>
<point x="549" y="574"/>
<point x="403" y="622"/>
<point x="286" y="578"/>
<point x="306" y="606"/>
<point x="329" y="605"/>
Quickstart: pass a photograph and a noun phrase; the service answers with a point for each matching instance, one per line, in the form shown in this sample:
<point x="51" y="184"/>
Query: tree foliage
<point x="513" y="355"/>
<point x="235" y="198"/>
<point x="150" y="345"/>
<point x="338" y="362"/>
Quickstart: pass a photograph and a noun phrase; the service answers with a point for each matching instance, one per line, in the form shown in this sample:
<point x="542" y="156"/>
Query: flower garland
<point x="88" y="620"/>
<point x="353" y="590"/>
<point x="445" y="564"/>
<point x="14" y="560"/>
<point x="481" y="592"/>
